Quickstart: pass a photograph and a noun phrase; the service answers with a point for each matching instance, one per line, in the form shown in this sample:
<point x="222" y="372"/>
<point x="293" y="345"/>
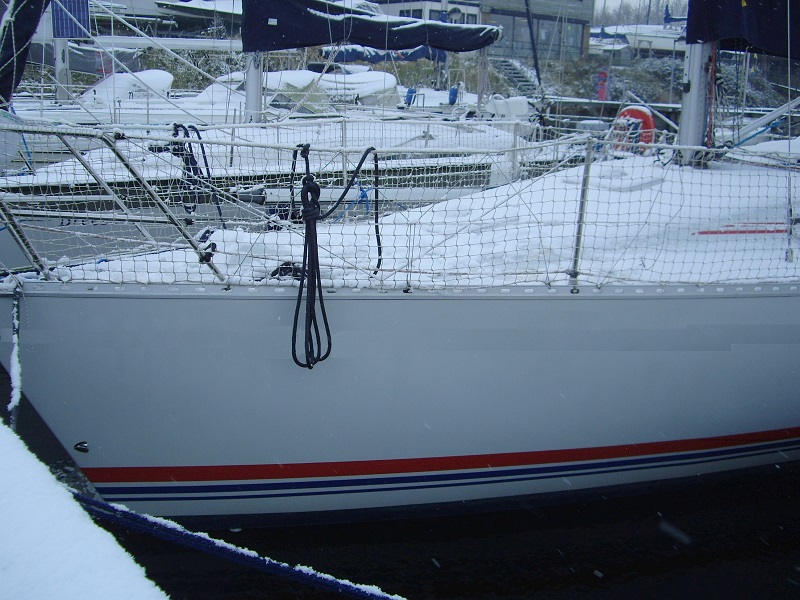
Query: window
<point x="573" y="34"/>
<point x="415" y="13"/>
<point x="547" y="30"/>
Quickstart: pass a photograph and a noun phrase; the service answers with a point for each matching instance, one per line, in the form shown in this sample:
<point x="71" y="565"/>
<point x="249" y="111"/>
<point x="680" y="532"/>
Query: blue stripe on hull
<point x="423" y="481"/>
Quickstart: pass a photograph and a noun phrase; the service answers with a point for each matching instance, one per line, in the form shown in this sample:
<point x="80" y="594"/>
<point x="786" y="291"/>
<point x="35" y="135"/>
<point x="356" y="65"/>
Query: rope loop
<point x="310" y="292"/>
<point x="310" y="286"/>
<point x="309" y="196"/>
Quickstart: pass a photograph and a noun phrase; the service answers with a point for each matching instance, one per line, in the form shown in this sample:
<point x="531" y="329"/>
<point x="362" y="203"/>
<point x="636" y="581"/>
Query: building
<point x="457" y="11"/>
<point x="560" y="27"/>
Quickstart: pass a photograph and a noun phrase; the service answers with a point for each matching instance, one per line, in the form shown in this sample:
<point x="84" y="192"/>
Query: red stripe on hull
<point x="739" y="231"/>
<point x="420" y="465"/>
<point x="745" y="228"/>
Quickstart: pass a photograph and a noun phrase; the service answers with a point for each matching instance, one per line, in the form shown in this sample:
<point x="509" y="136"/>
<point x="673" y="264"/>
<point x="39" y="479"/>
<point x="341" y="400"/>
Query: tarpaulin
<point x="760" y="25"/>
<point x="19" y="23"/>
<point x="285" y="24"/>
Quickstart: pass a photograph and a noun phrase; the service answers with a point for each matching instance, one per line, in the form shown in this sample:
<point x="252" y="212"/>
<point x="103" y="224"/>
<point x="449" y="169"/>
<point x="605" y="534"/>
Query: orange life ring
<point x="645" y="133"/>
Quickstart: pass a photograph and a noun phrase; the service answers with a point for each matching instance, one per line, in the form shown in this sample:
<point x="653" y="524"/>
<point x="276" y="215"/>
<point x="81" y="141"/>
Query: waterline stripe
<point x="217" y="473"/>
<point x="429" y="480"/>
<point x="146" y="496"/>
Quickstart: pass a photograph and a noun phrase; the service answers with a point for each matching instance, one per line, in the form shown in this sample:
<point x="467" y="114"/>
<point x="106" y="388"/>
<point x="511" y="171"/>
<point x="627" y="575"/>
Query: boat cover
<point x="756" y="25"/>
<point x="18" y="25"/>
<point x="353" y="52"/>
<point x="302" y="23"/>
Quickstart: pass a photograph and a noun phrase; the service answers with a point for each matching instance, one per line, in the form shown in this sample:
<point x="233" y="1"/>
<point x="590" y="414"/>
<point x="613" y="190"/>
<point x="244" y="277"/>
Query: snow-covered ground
<point x="49" y="546"/>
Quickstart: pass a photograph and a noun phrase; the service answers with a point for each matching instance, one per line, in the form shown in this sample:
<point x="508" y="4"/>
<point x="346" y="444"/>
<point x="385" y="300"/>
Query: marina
<point x="397" y="314"/>
<point x="346" y="246"/>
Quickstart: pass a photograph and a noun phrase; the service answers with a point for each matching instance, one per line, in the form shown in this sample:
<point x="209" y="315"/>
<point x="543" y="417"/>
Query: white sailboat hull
<point x="190" y="405"/>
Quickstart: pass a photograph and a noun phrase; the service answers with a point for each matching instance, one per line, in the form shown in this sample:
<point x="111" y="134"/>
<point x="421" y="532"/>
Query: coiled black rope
<point x="376" y="189"/>
<point x="172" y="532"/>
<point x="190" y="184"/>
<point x="292" y="202"/>
<point x="193" y="179"/>
<point x="377" y="226"/>
<point x="352" y="182"/>
<point x="310" y="279"/>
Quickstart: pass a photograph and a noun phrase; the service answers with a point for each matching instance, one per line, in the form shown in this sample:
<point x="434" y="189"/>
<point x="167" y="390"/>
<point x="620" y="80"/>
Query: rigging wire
<point x="711" y="89"/>
<point x="533" y="42"/>
<point x="789" y="200"/>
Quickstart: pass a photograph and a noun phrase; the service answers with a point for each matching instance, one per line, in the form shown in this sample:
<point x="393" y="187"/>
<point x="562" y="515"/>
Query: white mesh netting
<point x="435" y="204"/>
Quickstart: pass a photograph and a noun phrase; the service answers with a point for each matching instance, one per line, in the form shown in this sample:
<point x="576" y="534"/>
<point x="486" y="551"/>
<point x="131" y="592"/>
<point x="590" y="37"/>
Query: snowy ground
<point x="50" y="547"/>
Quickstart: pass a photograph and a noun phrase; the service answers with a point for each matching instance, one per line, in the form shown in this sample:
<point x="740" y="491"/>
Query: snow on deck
<point x="645" y="222"/>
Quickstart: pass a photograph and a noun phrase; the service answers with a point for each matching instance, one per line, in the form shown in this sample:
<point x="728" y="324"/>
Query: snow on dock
<point x="50" y="547"/>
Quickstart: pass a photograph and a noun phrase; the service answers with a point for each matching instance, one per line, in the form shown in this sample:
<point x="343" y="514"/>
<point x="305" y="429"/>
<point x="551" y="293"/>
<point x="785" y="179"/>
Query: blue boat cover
<point x="15" y="41"/>
<point x="758" y="25"/>
<point x="285" y="24"/>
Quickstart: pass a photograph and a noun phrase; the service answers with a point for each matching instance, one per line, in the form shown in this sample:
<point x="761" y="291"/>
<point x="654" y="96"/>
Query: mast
<point x="61" y="65"/>
<point x="70" y="22"/>
<point x="253" y="87"/>
<point x="694" y="105"/>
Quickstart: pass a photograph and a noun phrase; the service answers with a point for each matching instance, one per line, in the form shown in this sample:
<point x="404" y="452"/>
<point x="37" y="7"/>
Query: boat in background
<point x="199" y="13"/>
<point x="147" y="98"/>
<point x="130" y="97"/>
